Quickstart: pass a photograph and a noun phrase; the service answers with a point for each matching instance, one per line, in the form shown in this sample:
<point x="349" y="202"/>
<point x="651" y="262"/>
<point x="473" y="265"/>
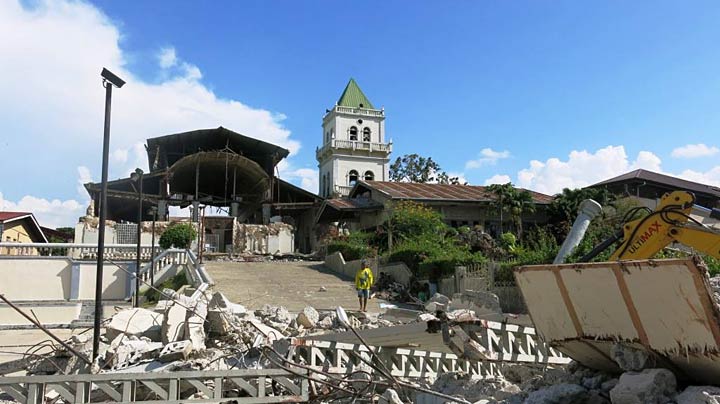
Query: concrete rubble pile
<point x="208" y="332"/>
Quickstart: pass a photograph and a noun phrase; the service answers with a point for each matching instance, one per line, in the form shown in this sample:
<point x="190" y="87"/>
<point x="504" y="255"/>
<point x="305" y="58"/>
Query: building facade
<point x="354" y="144"/>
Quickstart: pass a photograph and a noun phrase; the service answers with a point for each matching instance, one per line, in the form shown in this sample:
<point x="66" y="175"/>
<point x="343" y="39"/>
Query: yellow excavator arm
<point x="670" y="222"/>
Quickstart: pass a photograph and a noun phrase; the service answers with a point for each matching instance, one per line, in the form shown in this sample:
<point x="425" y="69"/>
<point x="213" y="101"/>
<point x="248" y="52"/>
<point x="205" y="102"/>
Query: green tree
<point x="563" y="209"/>
<point x="502" y="193"/>
<point x="178" y="235"/>
<point x="415" y="168"/>
<point x="519" y="202"/>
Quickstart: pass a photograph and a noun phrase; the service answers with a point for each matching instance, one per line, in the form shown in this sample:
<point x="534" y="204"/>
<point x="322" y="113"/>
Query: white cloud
<point x="83" y="178"/>
<point x="692" y="151"/>
<point x="119" y="156"/>
<point x="710" y="177"/>
<point x="167" y="57"/>
<point x="583" y="168"/>
<point x="306" y="178"/>
<point x="49" y="213"/>
<point x="488" y="156"/>
<point x="498" y="179"/>
<point x="74" y="40"/>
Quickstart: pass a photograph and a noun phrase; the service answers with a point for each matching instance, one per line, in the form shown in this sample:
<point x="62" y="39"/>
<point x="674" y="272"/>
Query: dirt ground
<point x="290" y="284"/>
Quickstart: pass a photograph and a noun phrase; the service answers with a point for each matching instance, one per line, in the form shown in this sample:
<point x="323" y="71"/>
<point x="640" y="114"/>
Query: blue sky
<point x="586" y="90"/>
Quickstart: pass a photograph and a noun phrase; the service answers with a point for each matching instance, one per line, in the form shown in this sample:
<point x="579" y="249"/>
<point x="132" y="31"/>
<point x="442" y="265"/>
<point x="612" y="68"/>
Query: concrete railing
<point x="359" y="111"/>
<point x="343" y="190"/>
<point x="76" y="250"/>
<point x="354" y="145"/>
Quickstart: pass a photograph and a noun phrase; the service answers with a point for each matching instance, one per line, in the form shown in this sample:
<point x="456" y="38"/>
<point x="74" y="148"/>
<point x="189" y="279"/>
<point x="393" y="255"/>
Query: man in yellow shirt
<point x="363" y="280"/>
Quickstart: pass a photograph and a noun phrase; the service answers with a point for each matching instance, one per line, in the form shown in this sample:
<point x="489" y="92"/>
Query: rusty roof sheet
<point x="354" y="203"/>
<point x="441" y="192"/>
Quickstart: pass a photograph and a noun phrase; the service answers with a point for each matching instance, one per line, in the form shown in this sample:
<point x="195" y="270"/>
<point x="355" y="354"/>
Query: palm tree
<point x="520" y="202"/>
<point x="502" y="192"/>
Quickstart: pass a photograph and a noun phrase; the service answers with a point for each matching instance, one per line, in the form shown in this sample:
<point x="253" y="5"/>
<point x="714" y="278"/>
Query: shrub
<point x="179" y="235"/>
<point x="427" y="257"/>
<point x="411" y="219"/>
<point x="349" y="250"/>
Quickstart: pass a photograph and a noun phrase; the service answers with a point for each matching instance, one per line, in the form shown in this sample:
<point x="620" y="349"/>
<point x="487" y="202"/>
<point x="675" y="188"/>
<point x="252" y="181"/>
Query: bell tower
<point x="354" y="146"/>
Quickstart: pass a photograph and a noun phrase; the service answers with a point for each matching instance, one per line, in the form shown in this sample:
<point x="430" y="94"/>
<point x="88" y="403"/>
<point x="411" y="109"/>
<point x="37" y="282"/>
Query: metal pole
<point x="101" y="227"/>
<point x="152" y="251"/>
<point x="139" y="233"/>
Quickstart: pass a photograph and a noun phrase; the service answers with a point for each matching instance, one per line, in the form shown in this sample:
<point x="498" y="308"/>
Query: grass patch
<point x="174" y="283"/>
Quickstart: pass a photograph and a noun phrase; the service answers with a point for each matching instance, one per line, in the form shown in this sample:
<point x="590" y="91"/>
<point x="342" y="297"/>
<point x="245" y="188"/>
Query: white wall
<point x="343" y="123"/>
<point x="361" y="165"/>
<point x="59" y="278"/>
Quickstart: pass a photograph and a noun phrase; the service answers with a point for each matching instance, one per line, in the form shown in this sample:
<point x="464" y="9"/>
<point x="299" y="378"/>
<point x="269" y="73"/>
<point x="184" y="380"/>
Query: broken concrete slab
<point x="629" y="358"/>
<point x="308" y="318"/>
<point x="437" y="302"/>
<point x="699" y="395"/>
<point x="173" y="325"/>
<point x="126" y="350"/>
<point x="162" y="306"/>
<point x="176" y="351"/>
<point x="481" y="302"/>
<point x="219" y="300"/>
<point x="559" y="393"/>
<point x="195" y="326"/>
<point x="218" y="321"/>
<point x="268" y="332"/>
<point x="137" y="322"/>
<point x="647" y="387"/>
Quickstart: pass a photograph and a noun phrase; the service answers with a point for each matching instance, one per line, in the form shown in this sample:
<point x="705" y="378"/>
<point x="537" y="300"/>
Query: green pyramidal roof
<point x="353" y="97"/>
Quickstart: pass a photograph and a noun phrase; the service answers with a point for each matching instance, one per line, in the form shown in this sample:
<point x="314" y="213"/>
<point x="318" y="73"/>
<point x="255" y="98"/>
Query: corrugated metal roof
<point x="353" y="203"/>
<point x="673" y="182"/>
<point x="440" y="192"/>
<point x="354" y="97"/>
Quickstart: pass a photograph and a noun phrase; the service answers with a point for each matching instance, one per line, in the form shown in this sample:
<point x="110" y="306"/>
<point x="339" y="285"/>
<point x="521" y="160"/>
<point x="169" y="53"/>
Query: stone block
<point x="173" y="326"/>
<point x="560" y="394"/>
<point x="699" y="395"/>
<point x="176" y="351"/>
<point x="651" y="386"/>
<point x="195" y="326"/>
<point x="137" y="322"/>
<point x="218" y="321"/>
<point x="308" y="318"/>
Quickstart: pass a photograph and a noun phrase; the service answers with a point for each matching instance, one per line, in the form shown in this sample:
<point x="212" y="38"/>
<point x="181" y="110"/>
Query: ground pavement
<point x="294" y="285"/>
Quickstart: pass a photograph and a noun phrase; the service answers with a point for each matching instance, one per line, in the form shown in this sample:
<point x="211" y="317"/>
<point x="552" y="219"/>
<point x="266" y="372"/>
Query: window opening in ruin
<point x="352" y="177"/>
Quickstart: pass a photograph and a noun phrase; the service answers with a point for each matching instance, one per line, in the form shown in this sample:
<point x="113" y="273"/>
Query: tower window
<point x="369" y="175"/>
<point x="353" y="133"/>
<point x="366" y="134"/>
<point x="327" y="137"/>
<point x="352" y="177"/>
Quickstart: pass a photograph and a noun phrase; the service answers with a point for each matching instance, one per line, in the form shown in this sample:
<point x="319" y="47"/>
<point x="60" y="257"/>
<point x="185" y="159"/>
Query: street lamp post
<point x="137" y="177"/>
<point x="109" y="80"/>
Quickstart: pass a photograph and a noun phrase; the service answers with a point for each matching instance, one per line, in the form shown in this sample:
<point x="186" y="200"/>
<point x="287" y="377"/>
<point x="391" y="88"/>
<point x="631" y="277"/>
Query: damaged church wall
<point x="274" y="238"/>
<point x="87" y="232"/>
